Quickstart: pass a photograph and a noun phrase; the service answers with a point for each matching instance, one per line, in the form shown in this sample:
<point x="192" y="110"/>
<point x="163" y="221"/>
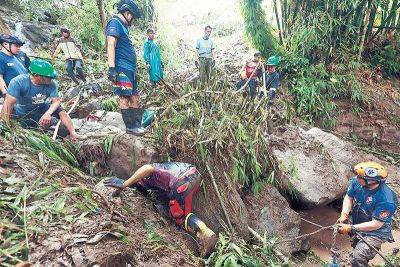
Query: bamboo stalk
<point x="364" y="30"/>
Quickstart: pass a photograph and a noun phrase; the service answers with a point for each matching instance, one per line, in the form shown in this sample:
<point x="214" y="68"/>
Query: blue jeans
<point x="252" y="86"/>
<point x="71" y="65"/>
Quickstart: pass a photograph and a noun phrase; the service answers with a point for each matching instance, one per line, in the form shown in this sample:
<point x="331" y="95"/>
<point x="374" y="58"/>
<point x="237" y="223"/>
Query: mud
<point x="322" y="242"/>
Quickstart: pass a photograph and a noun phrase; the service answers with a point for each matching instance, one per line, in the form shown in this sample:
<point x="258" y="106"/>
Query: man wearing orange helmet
<point x="372" y="204"/>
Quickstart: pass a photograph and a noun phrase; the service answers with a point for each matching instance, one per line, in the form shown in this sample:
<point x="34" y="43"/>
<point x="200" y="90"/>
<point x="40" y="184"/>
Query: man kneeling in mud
<point x="33" y="99"/>
<point x="178" y="182"/>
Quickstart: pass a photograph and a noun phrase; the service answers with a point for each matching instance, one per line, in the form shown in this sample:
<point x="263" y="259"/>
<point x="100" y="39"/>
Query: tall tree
<point x="102" y="13"/>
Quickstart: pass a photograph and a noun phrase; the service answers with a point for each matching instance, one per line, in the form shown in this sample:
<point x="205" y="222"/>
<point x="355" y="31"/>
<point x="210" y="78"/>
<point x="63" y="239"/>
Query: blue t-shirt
<point x="379" y="204"/>
<point x="125" y="54"/>
<point x="205" y="47"/>
<point x="272" y="80"/>
<point x="32" y="100"/>
<point x="10" y="67"/>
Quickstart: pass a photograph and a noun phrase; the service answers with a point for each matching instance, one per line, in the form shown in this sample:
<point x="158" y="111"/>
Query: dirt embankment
<point x="55" y="215"/>
<point x="376" y="122"/>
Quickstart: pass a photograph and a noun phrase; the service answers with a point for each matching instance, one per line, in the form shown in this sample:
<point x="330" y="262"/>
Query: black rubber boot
<point x="128" y="117"/>
<point x="207" y="239"/>
<point x="135" y="127"/>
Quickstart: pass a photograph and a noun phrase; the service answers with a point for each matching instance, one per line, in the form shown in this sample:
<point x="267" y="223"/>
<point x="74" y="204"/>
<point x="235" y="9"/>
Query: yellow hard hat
<point x="370" y="171"/>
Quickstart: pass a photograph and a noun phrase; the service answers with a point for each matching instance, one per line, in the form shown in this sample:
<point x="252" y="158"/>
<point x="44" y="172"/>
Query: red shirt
<point x="166" y="175"/>
<point x="250" y="67"/>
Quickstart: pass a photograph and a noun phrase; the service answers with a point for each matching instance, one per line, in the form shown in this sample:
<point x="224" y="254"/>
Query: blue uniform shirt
<point x="10" y="67"/>
<point x="125" y="54"/>
<point x="379" y="204"/>
<point x="32" y="100"/>
<point x="272" y="80"/>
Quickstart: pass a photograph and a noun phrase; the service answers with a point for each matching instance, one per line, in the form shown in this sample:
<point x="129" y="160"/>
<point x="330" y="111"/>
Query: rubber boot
<point x="128" y="117"/>
<point x="133" y="121"/>
<point x="207" y="239"/>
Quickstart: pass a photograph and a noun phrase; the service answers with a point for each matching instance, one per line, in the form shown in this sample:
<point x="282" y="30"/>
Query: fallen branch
<point x="69" y="111"/>
<point x="263" y="241"/>
<point x="219" y="196"/>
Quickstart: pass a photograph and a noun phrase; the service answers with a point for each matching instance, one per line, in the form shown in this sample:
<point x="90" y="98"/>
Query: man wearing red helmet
<point x="372" y="204"/>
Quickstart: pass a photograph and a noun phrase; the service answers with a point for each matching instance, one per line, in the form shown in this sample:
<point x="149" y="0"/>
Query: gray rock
<point x="317" y="165"/>
<point x="270" y="214"/>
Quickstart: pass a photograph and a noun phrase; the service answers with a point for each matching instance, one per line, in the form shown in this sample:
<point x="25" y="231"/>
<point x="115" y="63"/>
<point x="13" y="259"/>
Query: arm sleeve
<point x="351" y="191"/>
<point x="113" y="29"/>
<point x="198" y="44"/>
<point x="384" y="212"/>
<point x="54" y="91"/>
<point x="14" y="88"/>
<point x="2" y="68"/>
<point x="146" y="52"/>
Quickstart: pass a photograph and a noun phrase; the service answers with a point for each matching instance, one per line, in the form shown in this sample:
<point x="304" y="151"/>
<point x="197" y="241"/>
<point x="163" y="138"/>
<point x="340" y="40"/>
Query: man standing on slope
<point x="177" y="182"/>
<point x="122" y="64"/>
<point x="372" y="205"/>
<point x="73" y="55"/>
<point x="205" y="51"/>
<point x="10" y="65"/>
<point x="151" y="54"/>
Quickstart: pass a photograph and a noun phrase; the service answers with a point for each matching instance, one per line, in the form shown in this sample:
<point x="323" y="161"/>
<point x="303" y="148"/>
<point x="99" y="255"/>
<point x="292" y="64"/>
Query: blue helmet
<point x="129" y="5"/>
<point x="12" y="39"/>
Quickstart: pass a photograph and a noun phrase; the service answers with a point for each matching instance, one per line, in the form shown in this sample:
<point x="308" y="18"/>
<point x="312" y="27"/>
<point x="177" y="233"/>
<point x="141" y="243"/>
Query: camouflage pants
<point x="362" y="253"/>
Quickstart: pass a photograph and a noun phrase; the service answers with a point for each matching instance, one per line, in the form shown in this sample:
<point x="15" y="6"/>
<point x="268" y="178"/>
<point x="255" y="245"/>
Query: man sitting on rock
<point x="178" y="182"/>
<point x="33" y="99"/>
<point x="10" y="65"/>
<point x="252" y="70"/>
<point x="73" y="55"/>
<point x="372" y="205"/>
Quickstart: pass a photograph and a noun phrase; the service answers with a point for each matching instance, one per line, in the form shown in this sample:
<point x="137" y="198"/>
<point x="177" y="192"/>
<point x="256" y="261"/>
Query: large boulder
<point x="270" y="214"/>
<point x="317" y="165"/>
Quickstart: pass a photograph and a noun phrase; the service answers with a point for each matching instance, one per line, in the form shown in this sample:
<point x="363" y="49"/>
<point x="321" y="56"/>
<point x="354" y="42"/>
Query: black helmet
<point x="12" y="39"/>
<point x="64" y="29"/>
<point x="129" y="5"/>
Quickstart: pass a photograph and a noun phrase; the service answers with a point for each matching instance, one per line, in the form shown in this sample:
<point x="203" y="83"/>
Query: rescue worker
<point x="33" y="99"/>
<point x="205" y="47"/>
<point x="10" y="65"/>
<point x="122" y="64"/>
<point x="251" y="71"/>
<point x="371" y="204"/>
<point x="152" y="57"/>
<point x="72" y="53"/>
<point x="178" y="182"/>
<point x="272" y="80"/>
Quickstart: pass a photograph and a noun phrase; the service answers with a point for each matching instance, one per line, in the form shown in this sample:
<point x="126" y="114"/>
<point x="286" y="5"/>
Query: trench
<point x="320" y="243"/>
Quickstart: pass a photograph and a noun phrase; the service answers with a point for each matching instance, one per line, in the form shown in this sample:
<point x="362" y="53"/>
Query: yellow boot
<point x="207" y="239"/>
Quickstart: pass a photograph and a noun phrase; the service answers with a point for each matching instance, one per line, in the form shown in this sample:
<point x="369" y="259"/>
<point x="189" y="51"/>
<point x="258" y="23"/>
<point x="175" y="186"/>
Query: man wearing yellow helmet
<point x="372" y="205"/>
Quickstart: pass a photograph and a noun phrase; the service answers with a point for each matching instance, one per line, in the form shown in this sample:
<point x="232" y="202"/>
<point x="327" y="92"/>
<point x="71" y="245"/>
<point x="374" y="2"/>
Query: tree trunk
<point x="102" y="13"/>
<point x="364" y="30"/>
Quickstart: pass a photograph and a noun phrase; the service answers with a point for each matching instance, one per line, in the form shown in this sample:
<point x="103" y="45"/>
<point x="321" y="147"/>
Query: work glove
<point x="112" y="74"/>
<point x="345" y="229"/>
<point x="344" y="217"/>
<point x="196" y="63"/>
<point x="114" y="182"/>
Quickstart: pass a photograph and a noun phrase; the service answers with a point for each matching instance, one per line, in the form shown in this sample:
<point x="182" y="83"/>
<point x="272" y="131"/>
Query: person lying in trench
<point x="32" y="99"/>
<point x="178" y="182"/>
<point x="372" y="204"/>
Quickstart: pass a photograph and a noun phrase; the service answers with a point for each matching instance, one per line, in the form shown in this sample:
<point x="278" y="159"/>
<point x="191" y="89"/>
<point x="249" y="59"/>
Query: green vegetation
<point x="256" y="28"/>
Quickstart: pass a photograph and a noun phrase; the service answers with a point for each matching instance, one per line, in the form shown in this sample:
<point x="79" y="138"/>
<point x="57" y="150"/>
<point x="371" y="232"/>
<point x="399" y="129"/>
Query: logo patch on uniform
<point x="384" y="214"/>
<point x="10" y="64"/>
<point x="38" y="99"/>
<point x="368" y="200"/>
<point x="371" y="172"/>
